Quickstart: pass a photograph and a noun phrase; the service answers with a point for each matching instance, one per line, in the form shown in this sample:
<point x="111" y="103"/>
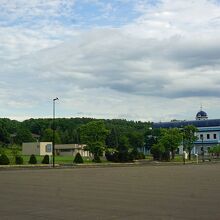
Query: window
<point x="201" y="136"/>
<point x="214" y="136"/>
<point x="208" y="136"/>
<point x="48" y="148"/>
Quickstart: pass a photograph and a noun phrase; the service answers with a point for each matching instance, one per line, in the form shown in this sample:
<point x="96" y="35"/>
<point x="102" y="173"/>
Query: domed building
<point x="201" y="115"/>
<point x="208" y="131"/>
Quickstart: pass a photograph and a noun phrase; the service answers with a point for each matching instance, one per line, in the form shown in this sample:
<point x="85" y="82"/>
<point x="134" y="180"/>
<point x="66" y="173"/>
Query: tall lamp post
<point x="54" y="100"/>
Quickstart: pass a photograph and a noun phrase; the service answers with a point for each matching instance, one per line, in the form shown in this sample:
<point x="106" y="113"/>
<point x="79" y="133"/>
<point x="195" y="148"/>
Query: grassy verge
<point x="58" y="159"/>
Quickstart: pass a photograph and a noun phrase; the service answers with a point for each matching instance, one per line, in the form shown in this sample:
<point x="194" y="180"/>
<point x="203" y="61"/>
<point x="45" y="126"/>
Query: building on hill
<point x="208" y="131"/>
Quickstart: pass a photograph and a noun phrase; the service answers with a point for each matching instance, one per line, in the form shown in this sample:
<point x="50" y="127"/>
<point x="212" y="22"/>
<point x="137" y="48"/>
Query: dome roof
<point x="201" y="114"/>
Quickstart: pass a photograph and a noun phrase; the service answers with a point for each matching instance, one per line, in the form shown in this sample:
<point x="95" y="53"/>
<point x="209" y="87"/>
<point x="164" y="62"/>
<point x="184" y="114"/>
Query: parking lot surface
<point x="145" y="192"/>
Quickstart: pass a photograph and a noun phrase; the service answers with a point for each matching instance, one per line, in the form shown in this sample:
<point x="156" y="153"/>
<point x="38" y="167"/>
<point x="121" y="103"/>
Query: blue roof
<point x="181" y="124"/>
<point x="201" y="114"/>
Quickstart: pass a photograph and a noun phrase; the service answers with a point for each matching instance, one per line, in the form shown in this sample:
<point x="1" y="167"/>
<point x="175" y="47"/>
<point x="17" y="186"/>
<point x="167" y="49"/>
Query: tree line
<point x="119" y="139"/>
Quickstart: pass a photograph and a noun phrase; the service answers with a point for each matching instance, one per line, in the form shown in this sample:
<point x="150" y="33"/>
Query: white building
<point x="71" y="150"/>
<point x="208" y="134"/>
<point x="45" y="148"/>
<point x="37" y="148"/>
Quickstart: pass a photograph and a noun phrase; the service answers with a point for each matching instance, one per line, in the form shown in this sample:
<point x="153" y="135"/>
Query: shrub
<point x="46" y="159"/>
<point x="18" y="160"/>
<point x="134" y="155"/>
<point x="32" y="159"/>
<point x="4" y="160"/>
<point x="78" y="158"/>
<point x="96" y="159"/>
<point x="141" y="155"/>
<point x="112" y="156"/>
<point x="119" y="156"/>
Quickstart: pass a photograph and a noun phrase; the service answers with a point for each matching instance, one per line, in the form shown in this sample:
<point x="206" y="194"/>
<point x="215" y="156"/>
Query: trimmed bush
<point x="4" y="160"/>
<point x="78" y="158"/>
<point x="46" y="159"/>
<point x="19" y="160"/>
<point x="32" y="159"/>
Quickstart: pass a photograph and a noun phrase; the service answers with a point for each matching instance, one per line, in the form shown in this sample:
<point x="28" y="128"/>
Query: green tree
<point x="15" y="151"/>
<point x="93" y="134"/>
<point x="4" y="160"/>
<point x="46" y="159"/>
<point x="158" y="151"/>
<point x="136" y="139"/>
<point x="169" y="141"/>
<point x="19" y="160"/>
<point x="4" y="135"/>
<point x="189" y="137"/>
<point x="23" y="135"/>
<point x="48" y="136"/>
<point x="151" y="137"/>
<point x="123" y="148"/>
<point x="78" y="158"/>
<point x="33" y="159"/>
<point x="112" y="138"/>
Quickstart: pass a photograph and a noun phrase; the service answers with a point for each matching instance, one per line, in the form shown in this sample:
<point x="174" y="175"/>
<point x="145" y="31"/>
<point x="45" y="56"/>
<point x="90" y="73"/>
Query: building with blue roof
<point x="208" y="131"/>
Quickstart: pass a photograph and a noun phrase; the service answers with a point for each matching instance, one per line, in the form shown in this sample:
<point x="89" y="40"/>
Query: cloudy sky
<point x="149" y="60"/>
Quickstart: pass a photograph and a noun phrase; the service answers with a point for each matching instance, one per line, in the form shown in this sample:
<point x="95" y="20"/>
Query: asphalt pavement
<point x="140" y="192"/>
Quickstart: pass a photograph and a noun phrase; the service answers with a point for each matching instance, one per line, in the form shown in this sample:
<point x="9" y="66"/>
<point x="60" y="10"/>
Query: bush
<point x="96" y="159"/>
<point x="46" y="159"/>
<point x="32" y="159"/>
<point x="4" y="160"/>
<point x="112" y="156"/>
<point x="134" y="155"/>
<point x="141" y="155"/>
<point x="119" y="157"/>
<point x="78" y="158"/>
<point x="18" y="160"/>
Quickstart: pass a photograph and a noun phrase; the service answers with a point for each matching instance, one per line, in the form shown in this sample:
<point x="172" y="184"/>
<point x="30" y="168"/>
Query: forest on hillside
<point x="67" y="130"/>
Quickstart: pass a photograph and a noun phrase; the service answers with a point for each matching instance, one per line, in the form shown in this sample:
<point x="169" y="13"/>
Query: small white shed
<point x="37" y="148"/>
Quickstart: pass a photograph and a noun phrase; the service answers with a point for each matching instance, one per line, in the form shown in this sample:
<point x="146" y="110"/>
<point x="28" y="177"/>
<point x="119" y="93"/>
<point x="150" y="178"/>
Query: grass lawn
<point x="58" y="159"/>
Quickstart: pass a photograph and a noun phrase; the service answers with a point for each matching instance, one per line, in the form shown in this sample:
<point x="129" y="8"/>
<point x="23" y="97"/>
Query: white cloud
<point x="155" y="68"/>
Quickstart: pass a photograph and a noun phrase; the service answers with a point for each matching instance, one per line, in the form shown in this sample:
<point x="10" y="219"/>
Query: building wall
<point x="211" y="137"/>
<point x="31" y="148"/>
<point x="71" y="150"/>
<point x="46" y="148"/>
<point x="36" y="148"/>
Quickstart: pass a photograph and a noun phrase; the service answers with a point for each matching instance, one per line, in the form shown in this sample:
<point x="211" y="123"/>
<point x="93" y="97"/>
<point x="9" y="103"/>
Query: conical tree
<point x="33" y="159"/>
<point x="78" y="158"/>
<point x="46" y="159"/>
<point x="4" y="160"/>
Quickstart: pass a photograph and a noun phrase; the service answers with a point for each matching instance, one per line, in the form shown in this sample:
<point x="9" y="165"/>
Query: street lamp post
<point x="54" y="100"/>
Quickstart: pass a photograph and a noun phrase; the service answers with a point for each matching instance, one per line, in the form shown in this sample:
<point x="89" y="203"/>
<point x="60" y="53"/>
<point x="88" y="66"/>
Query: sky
<point x="147" y="60"/>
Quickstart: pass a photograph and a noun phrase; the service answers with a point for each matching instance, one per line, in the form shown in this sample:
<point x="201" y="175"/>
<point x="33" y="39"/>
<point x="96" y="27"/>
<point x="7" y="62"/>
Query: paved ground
<point x="145" y="192"/>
